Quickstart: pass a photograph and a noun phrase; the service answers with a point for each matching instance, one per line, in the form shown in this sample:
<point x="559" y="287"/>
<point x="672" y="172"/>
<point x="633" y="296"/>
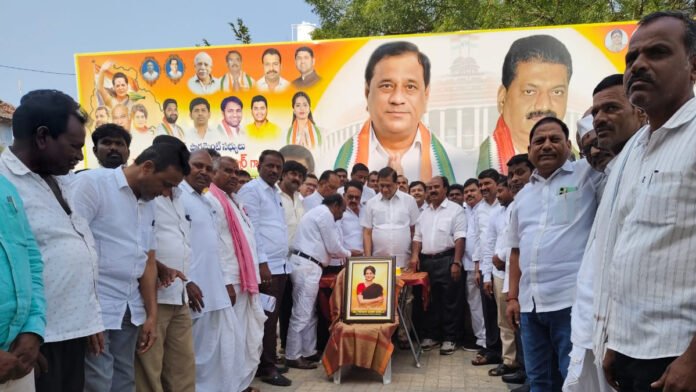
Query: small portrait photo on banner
<point x="150" y="70"/>
<point x="369" y="290"/>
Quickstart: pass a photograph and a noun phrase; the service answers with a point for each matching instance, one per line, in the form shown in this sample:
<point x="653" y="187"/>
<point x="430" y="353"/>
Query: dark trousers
<point x="442" y="317"/>
<point x="270" y="337"/>
<point x="66" y="366"/>
<point x="490" y="319"/>
<point x="285" y="312"/>
<point x="636" y="375"/>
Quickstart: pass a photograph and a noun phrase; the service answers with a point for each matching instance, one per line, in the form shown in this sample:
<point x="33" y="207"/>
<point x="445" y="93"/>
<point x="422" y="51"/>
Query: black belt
<point x="308" y="257"/>
<point x="448" y="252"/>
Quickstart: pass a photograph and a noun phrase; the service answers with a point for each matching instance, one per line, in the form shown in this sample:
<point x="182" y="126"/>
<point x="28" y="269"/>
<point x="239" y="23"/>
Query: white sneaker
<point x="447" y="348"/>
<point x="429" y="344"/>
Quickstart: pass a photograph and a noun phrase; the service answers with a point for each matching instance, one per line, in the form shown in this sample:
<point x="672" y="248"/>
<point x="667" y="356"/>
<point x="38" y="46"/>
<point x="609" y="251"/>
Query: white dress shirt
<point x="483" y="212"/>
<point x="265" y="209"/>
<point x="263" y="86"/>
<point x="438" y="229"/>
<point x="229" y="263"/>
<point x="367" y="194"/>
<point x="199" y="88"/>
<point x="318" y="236"/>
<point x="495" y="244"/>
<point x="205" y="250"/>
<point x="647" y="273"/>
<point x="410" y="160"/>
<point x="471" y="248"/>
<point x="67" y="250"/>
<point x="550" y="223"/>
<point x="124" y="231"/>
<point x="391" y="221"/>
<point x="351" y="233"/>
<point x="173" y="234"/>
<point x="313" y="200"/>
<point x="294" y="209"/>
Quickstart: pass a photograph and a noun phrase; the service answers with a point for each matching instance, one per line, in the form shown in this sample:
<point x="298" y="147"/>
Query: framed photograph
<point x="369" y="290"/>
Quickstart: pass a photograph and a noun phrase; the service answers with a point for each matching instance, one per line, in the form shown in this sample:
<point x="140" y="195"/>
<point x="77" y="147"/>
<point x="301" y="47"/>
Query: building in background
<point x="302" y="31"/>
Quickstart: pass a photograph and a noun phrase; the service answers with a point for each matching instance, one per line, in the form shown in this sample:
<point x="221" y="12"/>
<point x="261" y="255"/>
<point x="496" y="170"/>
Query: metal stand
<point x="407" y="324"/>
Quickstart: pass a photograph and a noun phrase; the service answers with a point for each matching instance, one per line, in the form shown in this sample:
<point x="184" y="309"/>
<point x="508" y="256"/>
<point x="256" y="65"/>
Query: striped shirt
<point x="646" y="302"/>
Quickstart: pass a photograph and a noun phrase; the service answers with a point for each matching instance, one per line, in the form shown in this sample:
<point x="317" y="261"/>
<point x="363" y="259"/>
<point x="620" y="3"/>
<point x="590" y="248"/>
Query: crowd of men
<point x="172" y="274"/>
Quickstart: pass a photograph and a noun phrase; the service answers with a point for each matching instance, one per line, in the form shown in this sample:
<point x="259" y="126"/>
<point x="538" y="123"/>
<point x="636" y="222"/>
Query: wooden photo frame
<point x="372" y="277"/>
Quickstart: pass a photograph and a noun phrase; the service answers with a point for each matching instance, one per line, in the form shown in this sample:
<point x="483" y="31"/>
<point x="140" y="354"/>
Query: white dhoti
<point x="251" y="319"/>
<point x="217" y="341"/>
<point x="583" y="374"/>
<point x="473" y="297"/>
<point x="302" y="331"/>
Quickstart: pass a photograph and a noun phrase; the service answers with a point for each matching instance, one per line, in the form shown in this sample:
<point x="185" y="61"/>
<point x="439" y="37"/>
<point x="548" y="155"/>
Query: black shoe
<point x="278" y="380"/>
<point x="501" y="370"/>
<point x="282" y="369"/>
<point x="313" y="358"/>
<point x="518" y="377"/>
<point x="523" y="388"/>
<point x="300" y="363"/>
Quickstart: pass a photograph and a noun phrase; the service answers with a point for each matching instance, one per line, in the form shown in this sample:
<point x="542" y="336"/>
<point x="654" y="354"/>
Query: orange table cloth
<point x="363" y="345"/>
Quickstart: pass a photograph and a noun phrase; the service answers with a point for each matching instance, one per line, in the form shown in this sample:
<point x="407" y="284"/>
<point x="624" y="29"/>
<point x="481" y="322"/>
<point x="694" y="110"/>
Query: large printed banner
<point x="311" y="99"/>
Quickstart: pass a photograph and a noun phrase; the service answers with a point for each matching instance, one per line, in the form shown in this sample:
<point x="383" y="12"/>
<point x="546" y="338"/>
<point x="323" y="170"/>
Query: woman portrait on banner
<point x="141" y="133"/>
<point x="369" y="292"/>
<point x="118" y="92"/>
<point x="303" y="130"/>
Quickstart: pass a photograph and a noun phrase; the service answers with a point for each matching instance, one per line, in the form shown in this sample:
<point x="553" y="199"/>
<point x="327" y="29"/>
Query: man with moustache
<point x="488" y="182"/>
<point x="471" y="257"/>
<point x="648" y="211"/>
<point x="549" y="226"/>
<point x="618" y="121"/>
<point x="535" y="78"/>
<point x="290" y="180"/>
<point x="111" y="145"/>
<point x="239" y="264"/>
<point x="262" y="203"/>
<point x="271" y="80"/>
<point x="438" y="247"/>
<point x="328" y="185"/>
<point x="230" y="125"/>
<point x="236" y="79"/>
<point x="203" y="82"/>
<point x="168" y="125"/>
<point x="126" y="252"/>
<point x="397" y="89"/>
<point x="217" y="338"/>
<point x="51" y="322"/>
<point x="304" y="61"/>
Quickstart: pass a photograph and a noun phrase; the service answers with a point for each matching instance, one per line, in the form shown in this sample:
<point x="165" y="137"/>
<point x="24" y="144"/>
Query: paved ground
<point x="437" y="373"/>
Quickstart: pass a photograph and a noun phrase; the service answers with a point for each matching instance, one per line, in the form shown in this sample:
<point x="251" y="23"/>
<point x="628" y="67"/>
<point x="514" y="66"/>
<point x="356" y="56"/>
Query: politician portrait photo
<point x="535" y="78"/>
<point x="174" y="67"/>
<point x="397" y="89"/>
<point x="150" y="70"/>
<point x="369" y="289"/>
